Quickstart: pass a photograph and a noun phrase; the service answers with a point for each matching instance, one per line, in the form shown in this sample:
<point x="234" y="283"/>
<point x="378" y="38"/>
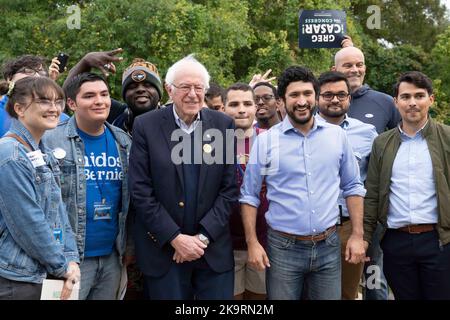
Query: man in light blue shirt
<point x="305" y="164"/>
<point x="408" y="193"/>
<point x="334" y="101"/>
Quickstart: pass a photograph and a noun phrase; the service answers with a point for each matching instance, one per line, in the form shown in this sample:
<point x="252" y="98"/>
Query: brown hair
<point x="27" y="89"/>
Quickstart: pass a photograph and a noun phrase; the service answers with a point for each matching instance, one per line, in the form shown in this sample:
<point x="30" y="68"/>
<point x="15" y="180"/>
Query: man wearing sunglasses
<point x="333" y="102"/>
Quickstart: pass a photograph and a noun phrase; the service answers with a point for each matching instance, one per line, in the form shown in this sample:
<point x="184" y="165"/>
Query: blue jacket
<point x="73" y="179"/>
<point x="374" y="107"/>
<point x="30" y="209"/>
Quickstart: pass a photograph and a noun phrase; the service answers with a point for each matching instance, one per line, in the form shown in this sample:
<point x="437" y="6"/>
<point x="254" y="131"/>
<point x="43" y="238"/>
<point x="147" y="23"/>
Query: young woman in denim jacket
<point x="35" y="235"/>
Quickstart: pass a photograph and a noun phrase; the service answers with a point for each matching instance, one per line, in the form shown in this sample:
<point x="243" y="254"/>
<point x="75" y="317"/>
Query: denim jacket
<point x="73" y="179"/>
<point x="31" y="213"/>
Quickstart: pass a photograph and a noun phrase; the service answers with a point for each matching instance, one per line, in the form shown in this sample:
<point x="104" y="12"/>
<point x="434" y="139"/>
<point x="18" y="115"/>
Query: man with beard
<point x="303" y="185"/>
<point x="334" y="101"/>
<point x="141" y="90"/>
<point x="267" y="105"/>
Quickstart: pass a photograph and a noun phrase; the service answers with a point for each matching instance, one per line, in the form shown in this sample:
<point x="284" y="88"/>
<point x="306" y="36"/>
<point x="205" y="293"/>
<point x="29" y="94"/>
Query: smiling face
<point x="187" y="92"/>
<point x="40" y="113"/>
<point x="299" y="101"/>
<point x="266" y="104"/>
<point x="92" y="103"/>
<point x="413" y="104"/>
<point x="350" y="61"/>
<point x="141" y="97"/>
<point x="334" y="108"/>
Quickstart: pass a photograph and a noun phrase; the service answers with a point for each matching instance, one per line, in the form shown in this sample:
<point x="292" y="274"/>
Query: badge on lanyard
<point x="57" y="233"/>
<point x="102" y="210"/>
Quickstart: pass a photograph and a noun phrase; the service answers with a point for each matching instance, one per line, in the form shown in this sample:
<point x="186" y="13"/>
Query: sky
<point x="447" y="4"/>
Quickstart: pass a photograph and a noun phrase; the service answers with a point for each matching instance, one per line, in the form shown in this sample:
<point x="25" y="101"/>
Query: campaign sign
<point x="321" y="28"/>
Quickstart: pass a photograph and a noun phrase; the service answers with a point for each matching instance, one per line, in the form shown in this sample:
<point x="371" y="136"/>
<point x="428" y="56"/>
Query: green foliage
<point x="385" y="65"/>
<point x="403" y="21"/>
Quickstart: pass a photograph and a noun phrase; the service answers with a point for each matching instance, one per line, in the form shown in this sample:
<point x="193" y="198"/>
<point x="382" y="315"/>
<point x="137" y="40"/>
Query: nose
<point x="412" y="101"/>
<point x="354" y="68"/>
<point x="301" y="101"/>
<point x="140" y="88"/>
<point x="191" y="92"/>
<point x="241" y="109"/>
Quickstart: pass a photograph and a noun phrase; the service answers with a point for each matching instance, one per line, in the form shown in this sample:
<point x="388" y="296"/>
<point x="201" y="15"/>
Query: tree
<point x="404" y="22"/>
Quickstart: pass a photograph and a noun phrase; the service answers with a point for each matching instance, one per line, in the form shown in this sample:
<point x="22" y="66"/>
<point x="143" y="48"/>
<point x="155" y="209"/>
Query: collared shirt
<point x="303" y="175"/>
<point x="412" y="198"/>
<point x="361" y="136"/>
<point x="183" y="126"/>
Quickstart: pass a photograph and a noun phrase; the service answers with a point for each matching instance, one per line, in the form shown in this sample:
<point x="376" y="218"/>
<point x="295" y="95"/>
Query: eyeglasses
<point x="32" y="72"/>
<point x="186" y="88"/>
<point x="47" y="104"/>
<point x="265" y="98"/>
<point x="328" y="96"/>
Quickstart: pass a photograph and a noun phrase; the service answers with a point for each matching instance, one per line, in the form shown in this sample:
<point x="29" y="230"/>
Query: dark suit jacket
<point x="156" y="188"/>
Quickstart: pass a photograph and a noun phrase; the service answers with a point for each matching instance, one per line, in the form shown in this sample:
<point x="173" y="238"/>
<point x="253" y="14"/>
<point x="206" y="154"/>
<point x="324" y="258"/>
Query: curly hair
<point x="11" y="67"/>
<point x="293" y="74"/>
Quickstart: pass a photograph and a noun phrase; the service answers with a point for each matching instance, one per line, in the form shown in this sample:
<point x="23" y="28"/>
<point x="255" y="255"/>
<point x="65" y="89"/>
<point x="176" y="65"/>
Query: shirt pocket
<point x="43" y="179"/>
<point x="68" y="175"/>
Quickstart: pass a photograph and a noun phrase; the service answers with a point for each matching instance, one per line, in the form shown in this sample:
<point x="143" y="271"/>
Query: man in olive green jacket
<point x="408" y="193"/>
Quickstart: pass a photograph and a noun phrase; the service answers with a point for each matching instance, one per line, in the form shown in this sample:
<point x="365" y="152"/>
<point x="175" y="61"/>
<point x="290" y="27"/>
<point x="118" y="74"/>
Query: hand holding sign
<point x="321" y="28"/>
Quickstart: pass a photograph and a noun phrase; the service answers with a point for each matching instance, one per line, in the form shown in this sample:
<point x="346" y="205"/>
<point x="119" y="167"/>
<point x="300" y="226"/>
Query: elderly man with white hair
<point x="182" y="200"/>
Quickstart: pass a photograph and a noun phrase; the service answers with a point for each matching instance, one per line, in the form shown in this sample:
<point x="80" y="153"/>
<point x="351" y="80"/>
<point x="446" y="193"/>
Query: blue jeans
<point x="297" y="265"/>
<point x="100" y="277"/>
<point x="376" y="287"/>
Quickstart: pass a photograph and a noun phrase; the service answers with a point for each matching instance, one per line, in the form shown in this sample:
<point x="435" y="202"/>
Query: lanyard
<point x="95" y="169"/>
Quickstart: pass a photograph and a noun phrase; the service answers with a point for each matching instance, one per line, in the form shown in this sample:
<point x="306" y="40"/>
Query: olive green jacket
<point x="384" y="150"/>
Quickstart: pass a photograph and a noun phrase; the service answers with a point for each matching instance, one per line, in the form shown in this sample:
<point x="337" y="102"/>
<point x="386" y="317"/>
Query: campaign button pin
<point x="207" y="148"/>
<point x="59" y="153"/>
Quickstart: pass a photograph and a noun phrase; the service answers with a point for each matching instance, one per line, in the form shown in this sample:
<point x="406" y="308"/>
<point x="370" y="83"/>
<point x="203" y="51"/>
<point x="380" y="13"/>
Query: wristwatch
<point x="203" y="238"/>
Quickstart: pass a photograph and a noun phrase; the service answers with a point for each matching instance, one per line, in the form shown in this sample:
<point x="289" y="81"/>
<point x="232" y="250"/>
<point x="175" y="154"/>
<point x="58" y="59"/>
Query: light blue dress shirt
<point x="361" y="136"/>
<point x="182" y="125"/>
<point x="304" y="175"/>
<point x="412" y="197"/>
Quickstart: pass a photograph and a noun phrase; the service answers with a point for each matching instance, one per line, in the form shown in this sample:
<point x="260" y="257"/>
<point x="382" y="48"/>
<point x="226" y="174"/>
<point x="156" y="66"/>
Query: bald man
<point x="376" y="108"/>
<point x="367" y="105"/>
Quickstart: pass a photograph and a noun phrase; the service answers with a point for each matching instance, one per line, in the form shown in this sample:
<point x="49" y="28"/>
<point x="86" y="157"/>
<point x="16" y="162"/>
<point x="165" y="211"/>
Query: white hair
<point x="181" y="64"/>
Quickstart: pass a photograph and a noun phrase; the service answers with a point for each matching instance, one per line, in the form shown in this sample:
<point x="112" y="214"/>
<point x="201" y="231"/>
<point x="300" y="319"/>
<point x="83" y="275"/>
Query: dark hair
<point x="416" y="78"/>
<point x="293" y="74"/>
<point x="274" y="90"/>
<point x="241" y="87"/>
<point x="11" y="67"/>
<point x="72" y="87"/>
<point x="215" y="91"/>
<point x="333" y="76"/>
<point x="27" y="89"/>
